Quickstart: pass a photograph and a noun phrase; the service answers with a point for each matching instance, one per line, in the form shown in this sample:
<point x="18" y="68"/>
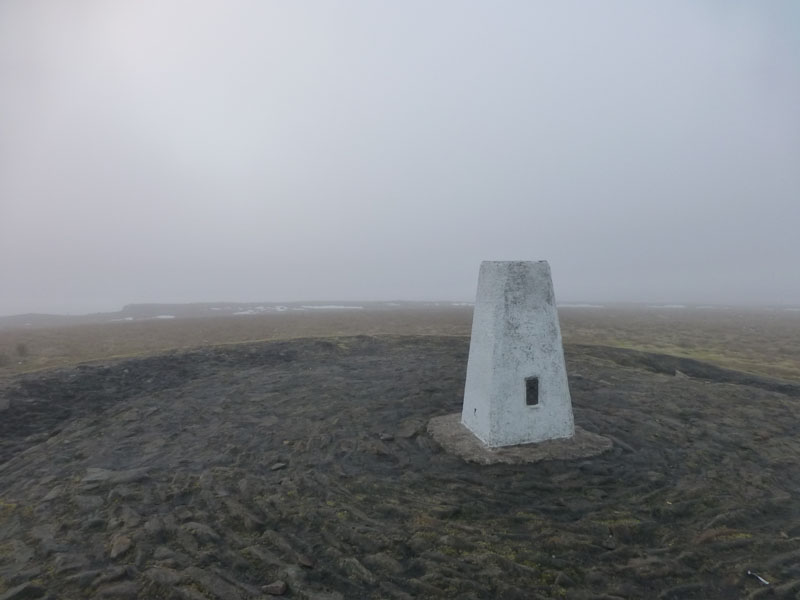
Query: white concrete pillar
<point x="516" y="390"/>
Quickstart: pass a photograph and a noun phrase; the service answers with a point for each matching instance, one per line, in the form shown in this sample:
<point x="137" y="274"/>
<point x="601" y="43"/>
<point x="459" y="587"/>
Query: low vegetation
<point x="765" y="342"/>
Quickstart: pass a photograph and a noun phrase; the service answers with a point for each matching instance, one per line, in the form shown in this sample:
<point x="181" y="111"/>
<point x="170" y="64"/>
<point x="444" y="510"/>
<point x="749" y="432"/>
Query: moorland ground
<point x="219" y="466"/>
<point x="764" y="341"/>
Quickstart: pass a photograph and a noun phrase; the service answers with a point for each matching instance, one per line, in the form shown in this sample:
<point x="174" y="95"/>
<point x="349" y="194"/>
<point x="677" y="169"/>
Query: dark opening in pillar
<point x="531" y="391"/>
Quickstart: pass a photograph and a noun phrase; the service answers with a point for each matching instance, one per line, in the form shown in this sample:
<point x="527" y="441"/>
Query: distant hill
<point x="141" y="312"/>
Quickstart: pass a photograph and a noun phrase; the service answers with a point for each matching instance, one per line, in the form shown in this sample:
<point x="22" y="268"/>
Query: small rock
<point x="276" y="588"/>
<point x="183" y="515"/>
<point x="163" y="575"/>
<point x="87" y="503"/>
<point x="304" y="560"/>
<point x="95" y="476"/>
<point x="409" y="428"/>
<point x="609" y="543"/>
<point x="186" y="592"/>
<point x="564" y="580"/>
<point x="127" y="589"/>
<point x="277" y="466"/>
<point x="54" y="493"/>
<point x="119" y="546"/>
<point x="130" y="518"/>
<point x="386" y="437"/>
<point x="163" y="553"/>
<point x="356" y="570"/>
<point x="26" y="591"/>
<point x="123" y="492"/>
<point x="114" y="574"/>
<point x="383" y="562"/>
<point x="84" y="578"/>
<point x="95" y="523"/>
<point x="65" y="562"/>
<point x="203" y="533"/>
<point x="154" y="526"/>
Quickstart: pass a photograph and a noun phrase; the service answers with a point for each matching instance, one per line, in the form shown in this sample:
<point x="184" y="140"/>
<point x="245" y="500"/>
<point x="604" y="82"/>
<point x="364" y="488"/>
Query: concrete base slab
<point x="457" y="439"/>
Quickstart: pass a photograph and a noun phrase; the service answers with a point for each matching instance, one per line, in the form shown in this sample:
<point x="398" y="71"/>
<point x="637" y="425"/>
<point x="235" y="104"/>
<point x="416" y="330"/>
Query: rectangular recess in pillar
<point x="532" y="391"/>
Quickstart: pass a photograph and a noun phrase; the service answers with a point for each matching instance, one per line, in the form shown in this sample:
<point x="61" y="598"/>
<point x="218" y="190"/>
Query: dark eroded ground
<point x="211" y="473"/>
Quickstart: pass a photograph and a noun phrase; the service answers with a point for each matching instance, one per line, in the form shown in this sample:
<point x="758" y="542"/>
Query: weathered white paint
<point x="515" y="336"/>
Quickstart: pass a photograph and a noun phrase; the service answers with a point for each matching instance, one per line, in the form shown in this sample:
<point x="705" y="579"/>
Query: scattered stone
<point x="262" y="554"/>
<point x="123" y="492"/>
<point x="203" y="533"/>
<point x="353" y="567"/>
<point x="154" y="526"/>
<point x="304" y="560"/>
<point x="87" y="503"/>
<point x="95" y="475"/>
<point x="276" y="588"/>
<point x="278" y="466"/>
<point x="564" y="580"/>
<point x="163" y="575"/>
<point x="181" y="515"/>
<point x="66" y="562"/>
<point x="26" y="591"/>
<point x="409" y="428"/>
<point x="115" y="573"/>
<point x="127" y="589"/>
<point x="23" y="576"/>
<point x="212" y="583"/>
<point x="54" y="493"/>
<point x="249" y="519"/>
<point x="383" y="562"/>
<point x="84" y="578"/>
<point x="190" y="593"/>
<point x="386" y="437"/>
<point x="127" y="518"/>
<point x="163" y="553"/>
<point x="49" y="546"/>
<point x="119" y="546"/>
<point x="95" y="523"/>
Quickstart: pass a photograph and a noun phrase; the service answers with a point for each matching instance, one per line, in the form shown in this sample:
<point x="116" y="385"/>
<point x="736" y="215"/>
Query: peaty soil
<point x="305" y="466"/>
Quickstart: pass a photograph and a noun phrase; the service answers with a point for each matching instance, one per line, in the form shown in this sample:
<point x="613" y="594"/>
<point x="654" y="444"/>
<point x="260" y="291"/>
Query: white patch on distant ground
<point x="245" y="312"/>
<point x="666" y="306"/>
<point x="281" y="308"/>
<point x="793" y="309"/>
<point x="330" y="307"/>
<point x="462" y="304"/>
<point x="392" y="304"/>
<point x="165" y="317"/>
<point x="580" y="305"/>
<point x="215" y="308"/>
<point x="122" y="319"/>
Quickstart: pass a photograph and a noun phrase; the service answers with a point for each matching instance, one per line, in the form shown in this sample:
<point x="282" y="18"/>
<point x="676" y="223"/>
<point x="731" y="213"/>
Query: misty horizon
<point x="334" y="303"/>
<point x="176" y="152"/>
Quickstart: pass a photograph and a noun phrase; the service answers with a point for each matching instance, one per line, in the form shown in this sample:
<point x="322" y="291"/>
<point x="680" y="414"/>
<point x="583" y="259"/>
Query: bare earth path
<point x="211" y="473"/>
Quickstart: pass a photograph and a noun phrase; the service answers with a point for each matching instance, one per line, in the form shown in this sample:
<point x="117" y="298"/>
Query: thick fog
<point x="178" y="151"/>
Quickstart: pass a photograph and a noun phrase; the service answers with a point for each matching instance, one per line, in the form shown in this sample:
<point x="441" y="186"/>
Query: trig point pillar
<point x="516" y="390"/>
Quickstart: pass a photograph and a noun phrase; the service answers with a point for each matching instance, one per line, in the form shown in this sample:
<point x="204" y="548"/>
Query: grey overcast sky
<point x="254" y="150"/>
